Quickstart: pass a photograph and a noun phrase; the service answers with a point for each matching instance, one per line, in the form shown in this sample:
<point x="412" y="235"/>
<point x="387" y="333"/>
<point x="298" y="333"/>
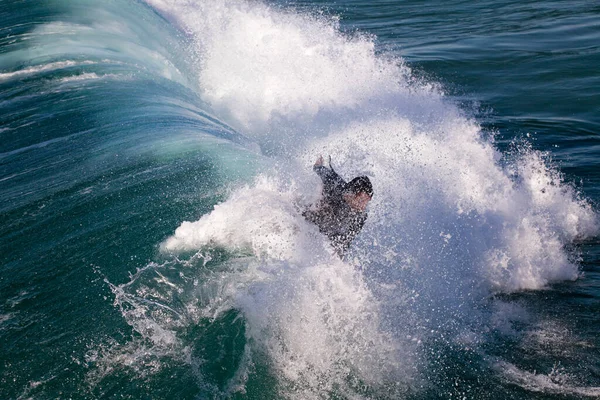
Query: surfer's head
<point x="358" y="192"/>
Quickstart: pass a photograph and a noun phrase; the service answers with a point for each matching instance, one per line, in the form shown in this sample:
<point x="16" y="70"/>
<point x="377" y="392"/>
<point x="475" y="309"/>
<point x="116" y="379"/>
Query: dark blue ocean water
<point x="155" y="158"/>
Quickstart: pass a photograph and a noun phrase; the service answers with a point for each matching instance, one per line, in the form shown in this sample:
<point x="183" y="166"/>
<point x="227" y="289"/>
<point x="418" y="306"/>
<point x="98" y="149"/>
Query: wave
<point x="453" y="223"/>
<point x="92" y="80"/>
<point x="453" y="220"/>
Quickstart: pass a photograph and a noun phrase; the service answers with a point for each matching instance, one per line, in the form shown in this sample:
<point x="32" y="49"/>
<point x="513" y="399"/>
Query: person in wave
<point x="341" y="212"/>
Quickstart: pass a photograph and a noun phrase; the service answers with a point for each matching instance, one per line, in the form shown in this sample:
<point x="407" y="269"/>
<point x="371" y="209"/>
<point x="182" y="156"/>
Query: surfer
<point x="341" y="212"/>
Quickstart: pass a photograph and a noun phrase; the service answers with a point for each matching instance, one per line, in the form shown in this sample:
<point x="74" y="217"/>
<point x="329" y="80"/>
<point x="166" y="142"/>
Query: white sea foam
<point x="320" y="324"/>
<point x="88" y="76"/>
<point x="4" y="318"/>
<point x="262" y="219"/>
<point x="311" y="313"/>
<point x="42" y="68"/>
<point x="450" y="222"/>
<point x="105" y="35"/>
<point x="258" y="65"/>
<point x="428" y="161"/>
<point x="443" y="192"/>
<point x="557" y="381"/>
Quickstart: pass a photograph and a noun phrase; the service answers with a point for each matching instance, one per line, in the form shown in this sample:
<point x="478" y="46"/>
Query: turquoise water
<point x="156" y="156"/>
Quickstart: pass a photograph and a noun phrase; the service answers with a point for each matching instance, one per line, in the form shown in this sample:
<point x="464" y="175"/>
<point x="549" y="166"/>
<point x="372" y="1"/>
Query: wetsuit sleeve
<point x="333" y="184"/>
<point x="342" y="242"/>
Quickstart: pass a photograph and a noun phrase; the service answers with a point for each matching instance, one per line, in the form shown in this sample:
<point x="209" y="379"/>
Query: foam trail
<point x="557" y="382"/>
<point x="42" y="68"/>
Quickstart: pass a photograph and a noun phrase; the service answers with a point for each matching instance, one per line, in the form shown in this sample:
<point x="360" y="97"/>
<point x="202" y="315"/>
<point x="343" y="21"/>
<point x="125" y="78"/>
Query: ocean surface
<point x="156" y="156"/>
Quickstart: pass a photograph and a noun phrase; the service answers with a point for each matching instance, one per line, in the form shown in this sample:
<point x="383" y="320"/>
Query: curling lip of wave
<point x="260" y="65"/>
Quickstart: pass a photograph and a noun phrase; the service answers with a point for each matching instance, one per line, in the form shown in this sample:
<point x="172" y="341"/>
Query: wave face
<point x="191" y="128"/>
<point x="94" y="79"/>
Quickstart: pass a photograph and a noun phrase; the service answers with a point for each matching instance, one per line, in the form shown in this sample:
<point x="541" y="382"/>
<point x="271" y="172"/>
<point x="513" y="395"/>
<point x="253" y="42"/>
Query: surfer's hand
<point x="319" y="161"/>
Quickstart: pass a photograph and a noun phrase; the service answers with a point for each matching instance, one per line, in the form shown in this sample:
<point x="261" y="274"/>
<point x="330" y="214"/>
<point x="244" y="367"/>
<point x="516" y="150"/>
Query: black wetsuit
<point x="334" y="217"/>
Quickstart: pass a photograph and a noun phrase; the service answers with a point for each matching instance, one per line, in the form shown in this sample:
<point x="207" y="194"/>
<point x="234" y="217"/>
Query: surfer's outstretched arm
<point x="333" y="184"/>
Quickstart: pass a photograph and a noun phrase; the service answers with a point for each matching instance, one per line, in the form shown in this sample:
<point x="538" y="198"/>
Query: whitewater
<point x="246" y="296"/>
<point x="452" y="223"/>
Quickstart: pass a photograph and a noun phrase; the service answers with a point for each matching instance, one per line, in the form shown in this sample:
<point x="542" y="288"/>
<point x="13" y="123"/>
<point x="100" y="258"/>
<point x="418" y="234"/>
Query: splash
<point x="299" y="87"/>
<point x="263" y="220"/>
<point x="452" y="222"/>
<point x="312" y="314"/>
<point x="267" y="70"/>
<point x="443" y="201"/>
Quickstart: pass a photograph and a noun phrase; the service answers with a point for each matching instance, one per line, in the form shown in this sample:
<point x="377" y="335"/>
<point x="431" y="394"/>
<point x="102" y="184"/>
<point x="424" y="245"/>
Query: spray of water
<point x="450" y="223"/>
